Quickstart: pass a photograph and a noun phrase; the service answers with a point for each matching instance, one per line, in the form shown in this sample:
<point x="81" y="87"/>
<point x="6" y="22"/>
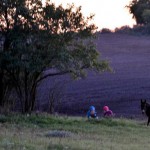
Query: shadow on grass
<point x="61" y="147"/>
<point x="115" y="122"/>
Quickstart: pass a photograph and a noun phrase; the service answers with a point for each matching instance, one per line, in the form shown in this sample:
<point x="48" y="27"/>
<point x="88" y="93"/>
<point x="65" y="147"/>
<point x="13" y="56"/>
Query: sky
<point x="108" y="13"/>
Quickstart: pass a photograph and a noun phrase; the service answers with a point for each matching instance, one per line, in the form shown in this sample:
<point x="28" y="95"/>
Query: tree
<point x="55" y="97"/>
<point x="137" y="8"/>
<point x="146" y="16"/>
<point x="43" y="41"/>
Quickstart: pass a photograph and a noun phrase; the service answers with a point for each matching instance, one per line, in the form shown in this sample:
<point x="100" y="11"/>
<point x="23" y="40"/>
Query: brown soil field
<point x="121" y="90"/>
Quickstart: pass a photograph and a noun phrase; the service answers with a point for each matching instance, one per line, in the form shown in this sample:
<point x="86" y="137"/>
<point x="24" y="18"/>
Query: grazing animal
<point x="145" y="107"/>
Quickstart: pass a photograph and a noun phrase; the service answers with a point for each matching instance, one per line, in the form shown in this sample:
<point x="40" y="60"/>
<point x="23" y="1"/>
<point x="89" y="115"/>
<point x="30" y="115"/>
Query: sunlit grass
<point x="18" y="132"/>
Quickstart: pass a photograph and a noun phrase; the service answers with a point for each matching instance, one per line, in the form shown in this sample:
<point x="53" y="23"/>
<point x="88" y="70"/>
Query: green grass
<point x="18" y="132"/>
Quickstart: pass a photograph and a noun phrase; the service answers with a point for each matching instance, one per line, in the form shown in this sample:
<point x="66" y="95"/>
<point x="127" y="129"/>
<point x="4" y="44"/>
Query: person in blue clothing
<point x="92" y="113"/>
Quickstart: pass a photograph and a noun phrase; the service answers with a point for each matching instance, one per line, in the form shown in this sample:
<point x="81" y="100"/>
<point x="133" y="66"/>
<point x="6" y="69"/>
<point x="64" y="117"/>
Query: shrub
<point x="105" y="30"/>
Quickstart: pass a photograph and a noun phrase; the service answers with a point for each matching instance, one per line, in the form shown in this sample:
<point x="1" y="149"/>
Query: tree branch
<point x="52" y="74"/>
<point x="58" y="73"/>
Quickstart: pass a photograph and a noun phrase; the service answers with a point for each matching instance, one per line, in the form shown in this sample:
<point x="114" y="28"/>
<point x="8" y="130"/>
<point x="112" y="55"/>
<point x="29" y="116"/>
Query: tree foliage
<point x="146" y="16"/>
<point x="37" y="38"/>
<point x="137" y="8"/>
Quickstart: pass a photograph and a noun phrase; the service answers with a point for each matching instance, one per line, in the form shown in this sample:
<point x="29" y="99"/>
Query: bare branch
<point x="52" y="74"/>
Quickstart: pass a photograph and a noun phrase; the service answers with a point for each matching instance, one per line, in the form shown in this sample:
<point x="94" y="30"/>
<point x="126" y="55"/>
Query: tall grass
<point x="43" y="132"/>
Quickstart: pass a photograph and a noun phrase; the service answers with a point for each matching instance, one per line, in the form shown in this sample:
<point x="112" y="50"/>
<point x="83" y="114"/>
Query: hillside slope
<point x="129" y="56"/>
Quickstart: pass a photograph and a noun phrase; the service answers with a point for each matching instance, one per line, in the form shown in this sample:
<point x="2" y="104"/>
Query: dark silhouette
<point x="145" y="107"/>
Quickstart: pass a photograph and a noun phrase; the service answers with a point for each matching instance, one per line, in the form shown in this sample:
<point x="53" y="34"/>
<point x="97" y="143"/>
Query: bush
<point x="136" y="30"/>
<point x="142" y="30"/>
<point x="105" y="30"/>
<point x="123" y="29"/>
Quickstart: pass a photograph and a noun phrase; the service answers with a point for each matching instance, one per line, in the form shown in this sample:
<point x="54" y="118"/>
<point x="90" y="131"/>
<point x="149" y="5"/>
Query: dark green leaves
<point x="137" y="8"/>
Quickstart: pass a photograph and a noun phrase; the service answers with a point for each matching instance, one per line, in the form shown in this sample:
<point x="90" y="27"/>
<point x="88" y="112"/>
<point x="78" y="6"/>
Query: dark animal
<point x="145" y="107"/>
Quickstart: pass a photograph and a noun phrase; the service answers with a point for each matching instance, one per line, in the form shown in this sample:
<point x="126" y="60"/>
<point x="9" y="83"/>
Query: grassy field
<point x="45" y="132"/>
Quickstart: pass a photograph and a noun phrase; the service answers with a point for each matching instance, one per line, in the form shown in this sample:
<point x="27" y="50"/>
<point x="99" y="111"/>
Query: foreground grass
<point x="42" y="132"/>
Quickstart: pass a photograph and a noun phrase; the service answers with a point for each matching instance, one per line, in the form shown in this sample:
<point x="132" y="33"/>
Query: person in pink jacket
<point x="107" y="112"/>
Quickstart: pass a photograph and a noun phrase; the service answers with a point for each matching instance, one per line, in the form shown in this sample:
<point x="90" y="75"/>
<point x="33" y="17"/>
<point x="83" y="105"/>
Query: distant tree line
<point x="36" y="37"/>
<point x="140" y="10"/>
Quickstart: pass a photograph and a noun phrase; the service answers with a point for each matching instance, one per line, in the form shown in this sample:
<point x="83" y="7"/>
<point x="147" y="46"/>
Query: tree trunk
<point x="26" y="92"/>
<point x="2" y="68"/>
<point x="1" y="89"/>
<point x="33" y="94"/>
